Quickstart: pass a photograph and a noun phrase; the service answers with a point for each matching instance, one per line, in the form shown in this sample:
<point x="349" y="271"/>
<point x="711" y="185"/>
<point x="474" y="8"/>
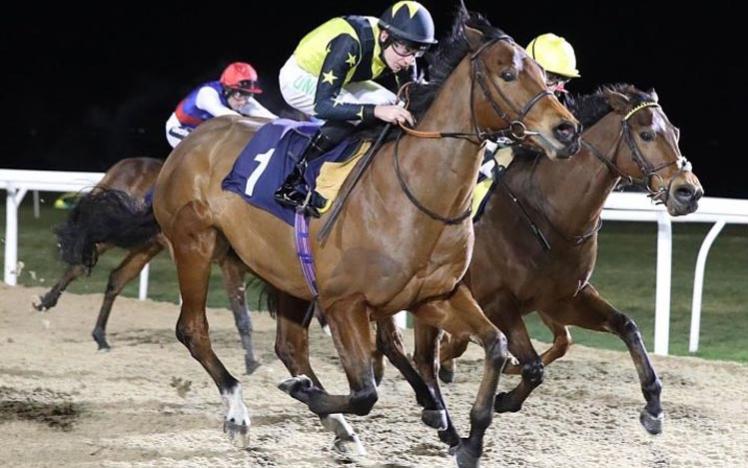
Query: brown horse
<point x="92" y="228"/>
<point x="402" y="240"/>
<point x="536" y="243"/>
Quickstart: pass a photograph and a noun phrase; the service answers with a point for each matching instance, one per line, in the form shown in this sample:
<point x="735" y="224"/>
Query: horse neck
<point x="441" y="172"/>
<point x="571" y="194"/>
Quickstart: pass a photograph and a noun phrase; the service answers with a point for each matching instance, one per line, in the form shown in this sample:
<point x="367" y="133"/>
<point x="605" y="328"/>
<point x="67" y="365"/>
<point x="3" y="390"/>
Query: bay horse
<point x="536" y="243"/>
<point x="93" y="228"/>
<point x="402" y="241"/>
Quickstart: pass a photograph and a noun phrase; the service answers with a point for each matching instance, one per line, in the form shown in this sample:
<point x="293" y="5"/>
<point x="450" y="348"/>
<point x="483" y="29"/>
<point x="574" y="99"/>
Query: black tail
<point x="110" y="216"/>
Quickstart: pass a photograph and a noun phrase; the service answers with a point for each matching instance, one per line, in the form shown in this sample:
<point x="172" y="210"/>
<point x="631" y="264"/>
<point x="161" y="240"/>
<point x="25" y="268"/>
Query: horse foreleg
<point x="127" y="270"/>
<point x="194" y="243"/>
<point x="233" y="271"/>
<point x="72" y="273"/>
<point x="461" y="316"/>
<point x="292" y="348"/>
<point x="587" y="309"/>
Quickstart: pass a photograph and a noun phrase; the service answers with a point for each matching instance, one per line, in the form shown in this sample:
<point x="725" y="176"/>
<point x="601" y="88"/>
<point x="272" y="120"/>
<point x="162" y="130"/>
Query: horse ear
<point x="474" y="37"/>
<point x="653" y="94"/>
<point x="619" y="102"/>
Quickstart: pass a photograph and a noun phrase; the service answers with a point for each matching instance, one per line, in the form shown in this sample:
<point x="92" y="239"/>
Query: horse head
<point x="509" y="94"/>
<point x="646" y="151"/>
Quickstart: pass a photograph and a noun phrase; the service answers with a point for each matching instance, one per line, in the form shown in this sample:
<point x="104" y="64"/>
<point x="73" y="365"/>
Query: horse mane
<point x="590" y="108"/>
<point x="446" y="56"/>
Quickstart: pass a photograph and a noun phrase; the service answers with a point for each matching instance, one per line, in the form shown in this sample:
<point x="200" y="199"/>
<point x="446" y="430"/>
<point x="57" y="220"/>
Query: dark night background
<point x="83" y="89"/>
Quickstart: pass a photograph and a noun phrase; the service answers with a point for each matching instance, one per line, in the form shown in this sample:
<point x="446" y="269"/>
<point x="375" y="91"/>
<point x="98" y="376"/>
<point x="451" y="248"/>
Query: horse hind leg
<point x="351" y="333"/>
<point x="127" y="270"/>
<point x="194" y="243"/>
<point x="73" y="272"/>
<point x="562" y="341"/>
<point x="292" y="348"/>
<point x="233" y="271"/>
<point x="451" y="347"/>
<point x="530" y="364"/>
<point x="390" y="343"/>
<point x="49" y="300"/>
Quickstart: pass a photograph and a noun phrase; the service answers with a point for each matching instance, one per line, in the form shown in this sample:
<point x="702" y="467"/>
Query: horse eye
<point x="508" y="76"/>
<point x="647" y="135"/>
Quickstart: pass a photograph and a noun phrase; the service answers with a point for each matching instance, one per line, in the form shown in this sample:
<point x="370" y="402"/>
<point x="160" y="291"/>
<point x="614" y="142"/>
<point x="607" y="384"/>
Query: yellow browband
<point x="640" y="107"/>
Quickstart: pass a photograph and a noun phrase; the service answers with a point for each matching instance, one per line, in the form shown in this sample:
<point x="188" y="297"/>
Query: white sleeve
<point x="208" y="100"/>
<point x="255" y="109"/>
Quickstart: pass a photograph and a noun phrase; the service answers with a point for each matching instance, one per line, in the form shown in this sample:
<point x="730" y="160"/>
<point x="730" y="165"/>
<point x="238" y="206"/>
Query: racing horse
<point x="536" y="245"/>
<point x="94" y="226"/>
<point x="403" y="240"/>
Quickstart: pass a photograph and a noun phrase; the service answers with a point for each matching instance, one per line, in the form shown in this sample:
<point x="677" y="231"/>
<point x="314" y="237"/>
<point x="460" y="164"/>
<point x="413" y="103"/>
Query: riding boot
<point x="292" y="192"/>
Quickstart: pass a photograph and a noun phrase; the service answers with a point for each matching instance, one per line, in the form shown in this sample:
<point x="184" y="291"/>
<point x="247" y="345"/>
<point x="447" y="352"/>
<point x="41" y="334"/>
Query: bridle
<point x="516" y="131"/>
<point x="648" y="171"/>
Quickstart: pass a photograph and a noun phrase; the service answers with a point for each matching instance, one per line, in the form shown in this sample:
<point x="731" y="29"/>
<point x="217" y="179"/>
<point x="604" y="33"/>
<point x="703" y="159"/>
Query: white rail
<point x="618" y="207"/>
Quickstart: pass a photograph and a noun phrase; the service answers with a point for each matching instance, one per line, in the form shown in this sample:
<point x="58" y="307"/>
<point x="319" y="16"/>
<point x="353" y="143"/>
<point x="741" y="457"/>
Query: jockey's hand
<point x="394" y="114"/>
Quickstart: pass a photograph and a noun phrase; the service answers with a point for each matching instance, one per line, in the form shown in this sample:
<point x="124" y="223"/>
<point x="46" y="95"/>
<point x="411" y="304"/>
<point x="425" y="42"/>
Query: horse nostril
<point x="566" y="132"/>
<point x="687" y="194"/>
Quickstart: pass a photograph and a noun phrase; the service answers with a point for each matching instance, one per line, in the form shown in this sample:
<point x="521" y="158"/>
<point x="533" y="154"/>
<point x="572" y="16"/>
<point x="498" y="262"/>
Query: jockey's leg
<point x="293" y="191"/>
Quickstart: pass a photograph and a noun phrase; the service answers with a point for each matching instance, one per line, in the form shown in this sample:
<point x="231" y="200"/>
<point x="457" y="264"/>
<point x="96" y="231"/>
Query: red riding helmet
<point x="240" y="76"/>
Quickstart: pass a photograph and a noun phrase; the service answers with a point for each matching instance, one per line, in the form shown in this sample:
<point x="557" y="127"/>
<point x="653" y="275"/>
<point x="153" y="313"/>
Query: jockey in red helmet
<point x="232" y="94"/>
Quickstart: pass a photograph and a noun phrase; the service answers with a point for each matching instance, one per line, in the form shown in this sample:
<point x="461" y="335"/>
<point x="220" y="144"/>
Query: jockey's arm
<point x="343" y="53"/>
<point x="208" y="100"/>
<point x="254" y="109"/>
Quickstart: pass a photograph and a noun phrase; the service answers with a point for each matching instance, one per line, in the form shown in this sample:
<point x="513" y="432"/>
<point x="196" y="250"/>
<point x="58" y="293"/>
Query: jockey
<point x="231" y="95"/>
<point x="557" y="58"/>
<point x="330" y="77"/>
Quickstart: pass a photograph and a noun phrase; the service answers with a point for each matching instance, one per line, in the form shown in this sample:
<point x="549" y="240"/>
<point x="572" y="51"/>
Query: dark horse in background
<point x="536" y="242"/>
<point x="94" y="226"/>
<point x="403" y="240"/>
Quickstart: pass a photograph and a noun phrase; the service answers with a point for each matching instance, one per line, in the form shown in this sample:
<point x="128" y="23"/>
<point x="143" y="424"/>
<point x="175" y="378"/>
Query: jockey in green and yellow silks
<point x="330" y="75"/>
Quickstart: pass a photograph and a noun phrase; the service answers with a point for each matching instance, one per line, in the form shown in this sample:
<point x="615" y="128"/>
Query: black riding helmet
<point x="410" y="22"/>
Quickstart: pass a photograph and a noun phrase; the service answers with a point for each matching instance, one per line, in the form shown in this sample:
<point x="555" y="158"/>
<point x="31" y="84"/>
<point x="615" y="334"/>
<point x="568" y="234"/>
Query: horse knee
<point x="496" y="350"/>
<point x="624" y="326"/>
<point x="363" y="401"/>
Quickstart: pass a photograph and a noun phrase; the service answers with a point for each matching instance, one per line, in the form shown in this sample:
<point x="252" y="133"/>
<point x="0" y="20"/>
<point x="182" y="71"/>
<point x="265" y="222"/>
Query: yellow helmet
<point x="554" y="54"/>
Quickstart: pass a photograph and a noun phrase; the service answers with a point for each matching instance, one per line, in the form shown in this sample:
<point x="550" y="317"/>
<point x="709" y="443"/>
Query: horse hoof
<point x="296" y="384"/>
<point x="40" y="307"/>
<point x="446" y="375"/>
<point x="436" y="419"/>
<point x="504" y="404"/>
<point x="252" y="366"/>
<point x="464" y="458"/>
<point x="238" y="433"/>
<point x="350" y="445"/>
<point x="653" y="424"/>
<point x="104" y="349"/>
